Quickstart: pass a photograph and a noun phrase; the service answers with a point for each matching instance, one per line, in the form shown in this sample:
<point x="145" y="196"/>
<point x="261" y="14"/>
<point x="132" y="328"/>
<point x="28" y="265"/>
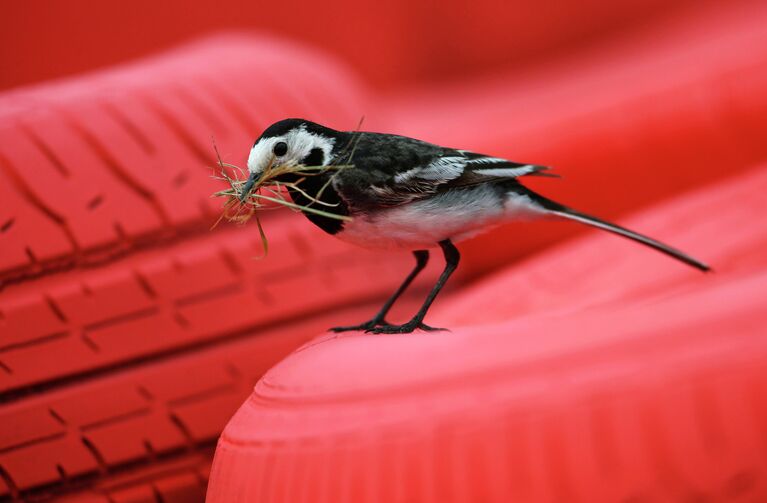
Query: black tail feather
<point x="565" y="212"/>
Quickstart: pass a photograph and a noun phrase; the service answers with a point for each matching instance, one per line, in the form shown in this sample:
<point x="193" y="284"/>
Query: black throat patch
<point x="315" y="158"/>
<point x="312" y="186"/>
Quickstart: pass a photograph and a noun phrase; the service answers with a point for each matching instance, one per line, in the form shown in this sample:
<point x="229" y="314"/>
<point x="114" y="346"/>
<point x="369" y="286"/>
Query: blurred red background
<point x="387" y="43"/>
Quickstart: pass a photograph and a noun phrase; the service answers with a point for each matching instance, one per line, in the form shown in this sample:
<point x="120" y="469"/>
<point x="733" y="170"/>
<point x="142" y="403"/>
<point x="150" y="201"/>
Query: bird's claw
<point x="376" y="326"/>
<point x="362" y="327"/>
<point x="405" y="328"/>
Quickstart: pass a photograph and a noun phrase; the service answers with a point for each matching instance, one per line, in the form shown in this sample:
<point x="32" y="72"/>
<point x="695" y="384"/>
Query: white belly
<point x="454" y="215"/>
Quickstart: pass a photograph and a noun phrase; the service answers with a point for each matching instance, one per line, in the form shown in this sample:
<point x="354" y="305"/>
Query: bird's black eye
<point x="280" y="148"/>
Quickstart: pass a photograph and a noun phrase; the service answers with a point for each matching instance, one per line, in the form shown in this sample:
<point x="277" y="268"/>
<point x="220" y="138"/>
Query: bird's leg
<point x="451" y="263"/>
<point x="421" y="259"/>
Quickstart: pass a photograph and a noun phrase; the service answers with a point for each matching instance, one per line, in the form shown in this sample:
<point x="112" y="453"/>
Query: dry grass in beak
<point x="268" y="194"/>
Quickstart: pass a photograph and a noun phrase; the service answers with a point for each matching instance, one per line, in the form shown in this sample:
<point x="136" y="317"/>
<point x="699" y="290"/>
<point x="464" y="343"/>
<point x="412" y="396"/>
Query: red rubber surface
<point x="139" y="425"/>
<point x="76" y="155"/>
<point x="129" y="332"/>
<point x="649" y="385"/>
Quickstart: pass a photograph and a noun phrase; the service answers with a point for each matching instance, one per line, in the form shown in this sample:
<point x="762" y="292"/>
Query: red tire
<point x="648" y="388"/>
<point x="129" y="332"/>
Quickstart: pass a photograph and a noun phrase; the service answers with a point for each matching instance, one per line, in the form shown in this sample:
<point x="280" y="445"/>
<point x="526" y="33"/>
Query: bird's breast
<point x="455" y="214"/>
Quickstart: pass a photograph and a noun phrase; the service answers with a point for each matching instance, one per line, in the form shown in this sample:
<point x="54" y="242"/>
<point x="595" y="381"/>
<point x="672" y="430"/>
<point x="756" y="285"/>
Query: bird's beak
<point x="248" y="185"/>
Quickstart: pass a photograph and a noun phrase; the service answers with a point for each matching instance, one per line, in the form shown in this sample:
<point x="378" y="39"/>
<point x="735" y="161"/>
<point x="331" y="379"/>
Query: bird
<point x="401" y="193"/>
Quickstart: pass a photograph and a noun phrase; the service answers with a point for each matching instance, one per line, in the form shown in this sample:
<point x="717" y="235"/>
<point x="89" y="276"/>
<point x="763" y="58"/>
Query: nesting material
<point x="268" y="193"/>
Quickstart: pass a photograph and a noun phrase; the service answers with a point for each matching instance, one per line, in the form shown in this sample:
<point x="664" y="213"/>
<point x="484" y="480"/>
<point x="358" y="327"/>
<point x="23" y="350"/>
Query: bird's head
<point x="289" y="142"/>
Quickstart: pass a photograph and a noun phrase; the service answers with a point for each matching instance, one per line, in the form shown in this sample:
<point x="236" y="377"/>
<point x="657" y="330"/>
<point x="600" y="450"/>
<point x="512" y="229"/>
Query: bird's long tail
<point x="571" y="214"/>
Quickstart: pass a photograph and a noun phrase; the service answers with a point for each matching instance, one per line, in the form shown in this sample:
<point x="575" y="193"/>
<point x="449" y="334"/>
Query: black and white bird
<point x="403" y="193"/>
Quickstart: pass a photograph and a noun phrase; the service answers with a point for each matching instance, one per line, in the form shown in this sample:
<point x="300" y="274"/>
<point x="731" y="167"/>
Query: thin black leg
<point x="421" y="259"/>
<point x="452" y="257"/>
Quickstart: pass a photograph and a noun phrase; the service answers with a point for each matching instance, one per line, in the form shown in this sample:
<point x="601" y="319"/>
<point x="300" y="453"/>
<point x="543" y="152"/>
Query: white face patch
<point x="300" y="144"/>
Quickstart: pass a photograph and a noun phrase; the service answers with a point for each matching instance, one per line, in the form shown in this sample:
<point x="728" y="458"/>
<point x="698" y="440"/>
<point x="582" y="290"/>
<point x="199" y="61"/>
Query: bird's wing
<point x="391" y="171"/>
<point x="481" y="168"/>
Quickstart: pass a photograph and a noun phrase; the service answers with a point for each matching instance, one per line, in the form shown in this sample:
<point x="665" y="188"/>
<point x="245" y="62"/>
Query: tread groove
<point x="202" y="110"/>
<point x="150" y="450"/>
<point x="129" y="127"/>
<point x="122" y="318"/>
<point x="229" y="104"/>
<point x="31" y="256"/>
<point x="180" y="179"/>
<point x="157" y="494"/>
<point x="47" y="151"/>
<point x="211" y="392"/>
<point x="181" y="133"/>
<point x="145" y="393"/>
<point x="117" y="169"/>
<point x="34" y="441"/>
<point x="103" y="466"/>
<point x="181" y="320"/>
<point x="234" y="287"/>
<point x="231" y="262"/>
<point x="62" y="473"/>
<point x="55" y="309"/>
<point x="33" y="200"/>
<point x="95" y="202"/>
<point x="144" y="284"/>
<point x="183" y="429"/>
<point x="55" y="415"/>
<point x="14" y="489"/>
<point x="90" y="343"/>
<point x="34" y="341"/>
<point x="114" y="419"/>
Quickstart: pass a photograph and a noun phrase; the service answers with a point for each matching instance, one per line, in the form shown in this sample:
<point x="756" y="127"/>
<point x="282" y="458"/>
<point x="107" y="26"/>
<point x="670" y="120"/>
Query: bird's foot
<point x="403" y="329"/>
<point x="362" y="327"/>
